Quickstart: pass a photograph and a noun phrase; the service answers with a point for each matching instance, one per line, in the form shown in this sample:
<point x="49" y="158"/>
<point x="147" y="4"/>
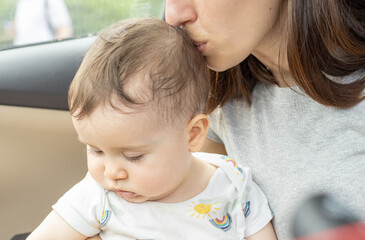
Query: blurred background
<point x="87" y="16"/>
<point x="40" y="157"/>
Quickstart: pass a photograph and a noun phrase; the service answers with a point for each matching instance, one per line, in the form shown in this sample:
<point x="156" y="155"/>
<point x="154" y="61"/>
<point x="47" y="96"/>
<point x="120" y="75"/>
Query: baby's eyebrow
<point x="122" y="148"/>
<point x="145" y="145"/>
<point x="133" y="148"/>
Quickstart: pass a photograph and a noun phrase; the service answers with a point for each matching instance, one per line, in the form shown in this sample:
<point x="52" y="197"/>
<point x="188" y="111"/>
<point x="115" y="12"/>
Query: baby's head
<point x="142" y="64"/>
<point x="137" y="103"/>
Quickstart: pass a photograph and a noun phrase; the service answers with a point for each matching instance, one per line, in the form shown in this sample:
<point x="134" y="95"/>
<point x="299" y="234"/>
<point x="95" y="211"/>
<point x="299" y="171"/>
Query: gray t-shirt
<point x="296" y="148"/>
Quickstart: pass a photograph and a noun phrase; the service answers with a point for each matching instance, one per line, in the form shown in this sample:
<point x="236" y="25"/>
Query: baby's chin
<point x="137" y="199"/>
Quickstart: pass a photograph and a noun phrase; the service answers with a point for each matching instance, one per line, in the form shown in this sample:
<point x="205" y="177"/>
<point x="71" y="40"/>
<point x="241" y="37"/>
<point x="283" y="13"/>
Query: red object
<point x="354" y="231"/>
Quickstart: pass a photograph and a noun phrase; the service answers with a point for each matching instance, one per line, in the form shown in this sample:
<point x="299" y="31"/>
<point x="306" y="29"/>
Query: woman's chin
<point x="218" y="66"/>
<point x="215" y="68"/>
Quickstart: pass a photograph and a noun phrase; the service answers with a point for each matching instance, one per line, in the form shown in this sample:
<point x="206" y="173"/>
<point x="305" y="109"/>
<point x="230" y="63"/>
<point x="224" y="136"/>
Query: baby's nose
<point x="114" y="170"/>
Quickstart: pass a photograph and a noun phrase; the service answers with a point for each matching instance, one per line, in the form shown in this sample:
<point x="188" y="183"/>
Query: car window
<point x="26" y="22"/>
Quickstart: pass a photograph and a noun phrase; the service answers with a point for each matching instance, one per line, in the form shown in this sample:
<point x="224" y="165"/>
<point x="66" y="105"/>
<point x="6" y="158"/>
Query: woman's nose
<point x="114" y="170"/>
<point x="179" y="12"/>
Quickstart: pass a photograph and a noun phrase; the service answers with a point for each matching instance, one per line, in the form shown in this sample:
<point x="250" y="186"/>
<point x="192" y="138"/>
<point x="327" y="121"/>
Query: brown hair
<point x="128" y="51"/>
<point x="326" y="38"/>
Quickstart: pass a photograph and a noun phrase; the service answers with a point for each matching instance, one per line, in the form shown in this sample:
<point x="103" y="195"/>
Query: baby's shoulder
<point x="236" y="174"/>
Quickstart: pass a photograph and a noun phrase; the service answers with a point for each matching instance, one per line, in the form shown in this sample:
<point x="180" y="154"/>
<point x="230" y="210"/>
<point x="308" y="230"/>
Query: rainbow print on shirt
<point x="224" y="223"/>
<point x="230" y="160"/>
<point x="107" y="214"/>
<point x="246" y="210"/>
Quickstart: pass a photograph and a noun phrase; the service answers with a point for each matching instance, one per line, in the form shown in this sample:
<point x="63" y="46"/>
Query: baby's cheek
<point x="150" y="181"/>
<point x="96" y="170"/>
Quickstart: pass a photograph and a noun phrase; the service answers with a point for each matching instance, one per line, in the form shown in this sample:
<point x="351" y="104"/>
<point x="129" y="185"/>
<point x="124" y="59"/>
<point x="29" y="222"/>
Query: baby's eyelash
<point x="134" y="158"/>
<point x="95" y="152"/>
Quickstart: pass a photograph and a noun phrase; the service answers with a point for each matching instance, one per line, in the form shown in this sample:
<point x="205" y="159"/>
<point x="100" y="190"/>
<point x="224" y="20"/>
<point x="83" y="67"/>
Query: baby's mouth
<point x="125" y="194"/>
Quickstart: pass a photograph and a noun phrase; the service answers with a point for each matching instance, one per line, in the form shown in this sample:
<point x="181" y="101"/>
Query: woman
<point x="288" y="82"/>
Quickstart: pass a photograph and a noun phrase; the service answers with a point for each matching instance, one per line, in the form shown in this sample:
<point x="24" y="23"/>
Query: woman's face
<point x="227" y="31"/>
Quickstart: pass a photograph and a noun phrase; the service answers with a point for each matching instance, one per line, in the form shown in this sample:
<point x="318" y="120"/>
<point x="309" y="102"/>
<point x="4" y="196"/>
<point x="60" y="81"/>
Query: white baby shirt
<point x="231" y="207"/>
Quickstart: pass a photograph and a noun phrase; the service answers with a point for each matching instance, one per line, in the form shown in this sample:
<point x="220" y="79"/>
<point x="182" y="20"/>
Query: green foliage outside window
<point x="88" y="16"/>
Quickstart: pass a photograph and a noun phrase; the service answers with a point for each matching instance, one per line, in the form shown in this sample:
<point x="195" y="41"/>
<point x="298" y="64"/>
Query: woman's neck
<point x="272" y="52"/>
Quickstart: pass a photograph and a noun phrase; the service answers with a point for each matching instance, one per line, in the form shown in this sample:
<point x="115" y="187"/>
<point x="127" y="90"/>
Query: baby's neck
<point x="196" y="182"/>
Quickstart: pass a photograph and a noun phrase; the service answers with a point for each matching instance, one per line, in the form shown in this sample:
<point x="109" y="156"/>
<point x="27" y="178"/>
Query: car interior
<point x="41" y="157"/>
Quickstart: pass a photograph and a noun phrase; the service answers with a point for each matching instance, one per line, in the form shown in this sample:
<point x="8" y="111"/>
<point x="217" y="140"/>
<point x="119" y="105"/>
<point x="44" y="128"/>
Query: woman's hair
<point x="326" y="39"/>
<point x="138" y="62"/>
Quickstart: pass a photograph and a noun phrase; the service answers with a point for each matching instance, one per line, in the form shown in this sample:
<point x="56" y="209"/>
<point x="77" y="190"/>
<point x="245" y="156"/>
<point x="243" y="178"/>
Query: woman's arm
<point x="54" y="227"/>
<point x="267" y="233"/>
<point x="210" y="146"/>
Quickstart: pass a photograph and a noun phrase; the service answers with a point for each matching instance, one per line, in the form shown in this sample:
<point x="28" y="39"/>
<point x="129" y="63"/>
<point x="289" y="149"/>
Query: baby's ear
<point x="198" y="129"/>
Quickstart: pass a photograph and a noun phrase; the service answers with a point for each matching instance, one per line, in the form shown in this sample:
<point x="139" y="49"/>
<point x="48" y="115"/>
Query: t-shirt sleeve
<point x="255" y="206"/>
<point x="213" y="136"/>
<point x="214" y="126"/>
<point x="81" y="207"/>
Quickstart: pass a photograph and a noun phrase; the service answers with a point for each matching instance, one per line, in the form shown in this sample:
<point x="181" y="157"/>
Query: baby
<point x="138" y="103"/>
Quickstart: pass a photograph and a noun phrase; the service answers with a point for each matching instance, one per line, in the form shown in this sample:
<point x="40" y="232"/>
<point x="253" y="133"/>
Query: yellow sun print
<point x="202" y="209"/>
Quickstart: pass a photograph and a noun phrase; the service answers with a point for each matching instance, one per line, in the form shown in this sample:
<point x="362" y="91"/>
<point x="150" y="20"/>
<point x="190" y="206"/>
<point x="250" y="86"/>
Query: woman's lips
<point x="200" y="46"/>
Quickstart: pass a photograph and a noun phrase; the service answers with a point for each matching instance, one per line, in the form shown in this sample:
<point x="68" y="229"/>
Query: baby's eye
<point x="98" y="152"/>
<point x="94" y="151"/>
<point x="134" y="158"/>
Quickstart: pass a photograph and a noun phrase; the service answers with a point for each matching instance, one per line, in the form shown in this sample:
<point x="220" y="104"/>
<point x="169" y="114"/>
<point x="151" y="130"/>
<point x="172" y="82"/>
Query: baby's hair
<point x="142" y="62"/>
